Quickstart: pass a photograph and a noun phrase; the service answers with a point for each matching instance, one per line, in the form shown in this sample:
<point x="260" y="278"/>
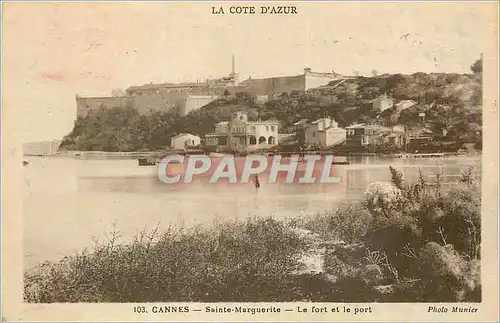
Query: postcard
<point x="250" y="161"/>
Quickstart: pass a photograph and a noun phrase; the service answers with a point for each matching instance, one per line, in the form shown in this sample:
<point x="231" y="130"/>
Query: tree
<point x="364" y="119"/>
<point x="477" y="67"/>
<point x="411" y="117"/>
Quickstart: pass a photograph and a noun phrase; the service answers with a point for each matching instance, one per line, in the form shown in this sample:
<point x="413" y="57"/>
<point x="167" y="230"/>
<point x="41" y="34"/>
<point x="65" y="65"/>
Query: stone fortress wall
<point x="184" y="98"/>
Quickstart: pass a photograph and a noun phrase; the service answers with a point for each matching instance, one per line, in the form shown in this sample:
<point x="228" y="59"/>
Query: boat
<point x="340" y="163"/>
<point x="25" y="163"/>
<point x="343" y="161"/>
<point x="421" y="155"/>
<point x="147" y="161"/>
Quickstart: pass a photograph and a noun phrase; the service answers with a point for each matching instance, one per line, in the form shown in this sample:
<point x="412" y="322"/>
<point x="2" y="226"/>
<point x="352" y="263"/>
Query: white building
<point x="324" y="132"/>
<point x="239" y="134"/>
<point x="184" y="140"/>
<point x="382" y="103"/>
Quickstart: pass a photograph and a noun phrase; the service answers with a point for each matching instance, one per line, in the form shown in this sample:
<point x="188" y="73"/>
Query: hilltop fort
<point x="182" y="98"/>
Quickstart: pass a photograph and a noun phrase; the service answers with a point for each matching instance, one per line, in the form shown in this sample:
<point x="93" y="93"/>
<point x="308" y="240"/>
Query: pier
<point x="429" y="155"/>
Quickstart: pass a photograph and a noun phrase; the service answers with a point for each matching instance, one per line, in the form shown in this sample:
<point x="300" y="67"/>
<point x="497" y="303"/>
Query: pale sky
<point x="53" y="51"/>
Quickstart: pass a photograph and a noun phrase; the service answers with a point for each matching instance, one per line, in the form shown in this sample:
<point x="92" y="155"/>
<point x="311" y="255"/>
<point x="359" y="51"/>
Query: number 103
<point x="140" y="309"/>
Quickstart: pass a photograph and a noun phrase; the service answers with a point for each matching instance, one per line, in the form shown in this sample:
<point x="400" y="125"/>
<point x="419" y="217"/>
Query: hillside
<point x="124" y="129"/>
<point x="452" y="103"/>
<point x="349" y="101"/>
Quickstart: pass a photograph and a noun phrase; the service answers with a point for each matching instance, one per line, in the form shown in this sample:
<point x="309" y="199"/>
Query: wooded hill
<point x="452" y="103"/>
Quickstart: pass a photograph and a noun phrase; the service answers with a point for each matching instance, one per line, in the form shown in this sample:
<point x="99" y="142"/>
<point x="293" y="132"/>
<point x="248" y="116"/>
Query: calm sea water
<point x="69" y="201"/>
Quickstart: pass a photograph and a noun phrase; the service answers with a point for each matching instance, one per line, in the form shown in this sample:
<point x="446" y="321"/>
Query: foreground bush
<point x="237" y="262"/>
<point x="421" y="239"/>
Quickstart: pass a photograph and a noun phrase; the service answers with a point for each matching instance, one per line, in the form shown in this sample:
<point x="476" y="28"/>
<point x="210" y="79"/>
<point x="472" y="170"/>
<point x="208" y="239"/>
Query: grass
<point x="402" y="242"/>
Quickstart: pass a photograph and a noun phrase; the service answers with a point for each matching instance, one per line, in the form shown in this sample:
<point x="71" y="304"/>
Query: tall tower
<point x="233" y="75"/>
<point x="233" y="69"/>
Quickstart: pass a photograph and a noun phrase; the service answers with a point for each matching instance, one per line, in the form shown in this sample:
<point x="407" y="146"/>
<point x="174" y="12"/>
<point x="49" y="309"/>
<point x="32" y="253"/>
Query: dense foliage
<point x="350" y="101"/>
<point x="452" y="103"/>
<point x="420" y="242"/>
<point x="124" y="129"/>
<point x="249" y="261"/>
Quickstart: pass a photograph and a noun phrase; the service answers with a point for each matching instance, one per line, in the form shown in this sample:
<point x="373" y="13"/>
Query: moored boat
<point x="340" y="161"/>
<point x="148" y="161"/>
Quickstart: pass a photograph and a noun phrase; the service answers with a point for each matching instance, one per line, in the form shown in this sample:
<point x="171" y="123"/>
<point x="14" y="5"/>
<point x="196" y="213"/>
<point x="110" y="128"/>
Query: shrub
<point x="250" y="261"/>
<point x="433" y="235"/>
<point x="355" y="275"/>
<point x="446" y="276"/>
<point x="380" y="197"/>
<point x="430" y="236"/>
<point x="371" y="275"/>
<point x="350" y="222"/>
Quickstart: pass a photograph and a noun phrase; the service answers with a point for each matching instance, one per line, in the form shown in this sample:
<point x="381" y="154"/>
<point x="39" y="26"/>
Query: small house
<point x="324" y="132"/>
<point x="184" y="141"/>
<point x="419" y="138"/>
<point x="382" y="103"/>
<point x="362" y="135"/>
<point x="358" y="135"/>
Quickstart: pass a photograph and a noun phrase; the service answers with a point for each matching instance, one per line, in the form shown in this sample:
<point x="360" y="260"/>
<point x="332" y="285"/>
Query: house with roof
<point x="220" y="135"/>
<point x="324" y="132"/>
<point x="241" y="134"/>
<point x="393" y="136"/>
<point x="382" y="103"/>
<point x="184" y="141"/>
<point x="358" y="134"/>
<point x="419" y="137"/>
<point x="363" y="135"/>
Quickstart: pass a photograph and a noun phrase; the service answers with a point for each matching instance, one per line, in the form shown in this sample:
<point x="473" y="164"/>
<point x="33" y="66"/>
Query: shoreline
<point x="146" y="154"/>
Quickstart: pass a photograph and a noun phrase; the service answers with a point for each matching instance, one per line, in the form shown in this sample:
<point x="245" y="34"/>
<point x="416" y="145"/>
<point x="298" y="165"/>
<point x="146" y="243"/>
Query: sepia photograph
<point x="251" y="156"/>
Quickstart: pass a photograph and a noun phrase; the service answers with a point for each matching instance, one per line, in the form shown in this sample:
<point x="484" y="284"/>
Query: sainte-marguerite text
<point x="251" y="10"/>
<point x="242" y="309"/>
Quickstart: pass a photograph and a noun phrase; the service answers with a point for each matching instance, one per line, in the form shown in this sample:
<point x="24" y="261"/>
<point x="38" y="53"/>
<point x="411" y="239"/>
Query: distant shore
<point x="118" y="154"/>
<point x="152" y="154"/>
